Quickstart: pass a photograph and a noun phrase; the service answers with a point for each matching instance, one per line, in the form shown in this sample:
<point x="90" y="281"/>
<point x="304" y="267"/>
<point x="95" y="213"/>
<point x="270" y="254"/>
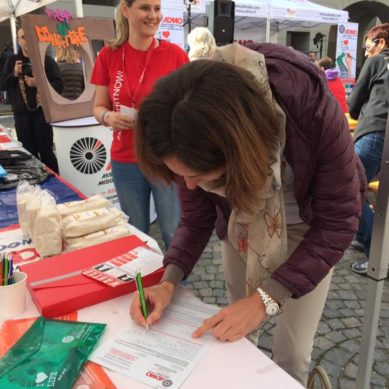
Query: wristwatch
<point x="272" y="308"/>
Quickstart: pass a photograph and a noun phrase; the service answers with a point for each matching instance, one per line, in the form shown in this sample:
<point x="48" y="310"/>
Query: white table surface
<point x="79" y="122"/>
<point x="226" y="365"/>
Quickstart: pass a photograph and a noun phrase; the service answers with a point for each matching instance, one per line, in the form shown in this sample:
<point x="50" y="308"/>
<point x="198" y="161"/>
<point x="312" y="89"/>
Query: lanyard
<point x="134" y="96"/>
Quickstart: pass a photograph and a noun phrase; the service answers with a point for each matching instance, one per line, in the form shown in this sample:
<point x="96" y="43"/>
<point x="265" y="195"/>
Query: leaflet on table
<point x="165" y="355"/>
<point x="123" y="268"/>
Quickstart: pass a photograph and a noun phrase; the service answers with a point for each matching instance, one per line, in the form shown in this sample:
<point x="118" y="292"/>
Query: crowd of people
<point x="251" y="140"/>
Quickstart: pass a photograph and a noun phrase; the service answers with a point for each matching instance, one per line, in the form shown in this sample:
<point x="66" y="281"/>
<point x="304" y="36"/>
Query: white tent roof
<point x="20" y="7"/>
<point x="11" y="9"/>
<point x="305" y="10"/>
<point x="282" y="10"/>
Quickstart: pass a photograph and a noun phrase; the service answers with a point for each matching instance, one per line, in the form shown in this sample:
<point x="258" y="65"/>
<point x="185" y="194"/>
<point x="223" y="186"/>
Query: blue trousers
<point x="134" y="191"/>
<point x="369" y="149"/>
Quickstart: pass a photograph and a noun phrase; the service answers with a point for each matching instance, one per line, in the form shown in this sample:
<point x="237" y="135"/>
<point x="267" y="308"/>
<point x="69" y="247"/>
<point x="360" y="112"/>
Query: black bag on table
<point x="21" y="166"/>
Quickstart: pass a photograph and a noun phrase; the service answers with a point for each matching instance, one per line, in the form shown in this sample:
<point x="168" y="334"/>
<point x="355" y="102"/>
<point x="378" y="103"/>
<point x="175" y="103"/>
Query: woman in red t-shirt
<point x="124" y="74"/>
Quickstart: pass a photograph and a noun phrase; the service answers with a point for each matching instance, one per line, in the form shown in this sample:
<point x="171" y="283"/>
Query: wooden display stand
<point x="41" y="31"/>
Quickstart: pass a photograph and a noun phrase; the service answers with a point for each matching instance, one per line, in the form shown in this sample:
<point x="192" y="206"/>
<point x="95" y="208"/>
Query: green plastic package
<point x="49" y="355"/>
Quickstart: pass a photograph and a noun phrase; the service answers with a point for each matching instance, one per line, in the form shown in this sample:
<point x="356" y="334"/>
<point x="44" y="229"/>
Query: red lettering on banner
<point x="171" y="20"/>
<point x="351" y="32"/>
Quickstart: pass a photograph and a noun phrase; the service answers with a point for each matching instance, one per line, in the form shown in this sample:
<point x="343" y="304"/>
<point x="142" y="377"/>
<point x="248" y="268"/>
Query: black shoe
<point x="360" y="266"/>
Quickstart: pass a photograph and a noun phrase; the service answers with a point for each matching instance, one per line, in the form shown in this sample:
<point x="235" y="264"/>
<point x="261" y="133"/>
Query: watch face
<point x="272" y="309"/>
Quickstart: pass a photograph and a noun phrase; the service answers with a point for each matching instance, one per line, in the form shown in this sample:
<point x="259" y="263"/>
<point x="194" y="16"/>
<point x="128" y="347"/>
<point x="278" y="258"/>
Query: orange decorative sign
<point x="65" y="36"/>
<point x="73" y="37"/>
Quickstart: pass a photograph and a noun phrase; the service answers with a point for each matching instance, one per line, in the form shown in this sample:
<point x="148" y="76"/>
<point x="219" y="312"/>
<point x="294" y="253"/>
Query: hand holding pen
<point x="157" y="299"/>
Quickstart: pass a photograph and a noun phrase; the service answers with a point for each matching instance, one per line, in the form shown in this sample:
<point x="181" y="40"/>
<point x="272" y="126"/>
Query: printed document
<point x="164" y="356"/>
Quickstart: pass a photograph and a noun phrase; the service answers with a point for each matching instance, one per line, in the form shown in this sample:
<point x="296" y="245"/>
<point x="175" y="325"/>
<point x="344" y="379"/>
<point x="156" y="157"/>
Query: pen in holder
<point x="12" y="288"/>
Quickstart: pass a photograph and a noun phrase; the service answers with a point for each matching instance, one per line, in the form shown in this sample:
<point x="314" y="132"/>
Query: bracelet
<point x="103" y="118"/>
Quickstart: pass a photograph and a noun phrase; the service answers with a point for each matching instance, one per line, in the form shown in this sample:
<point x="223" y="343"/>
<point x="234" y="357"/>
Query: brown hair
<point x="381" y="31"/>
<point x="209" y="115"/>
<point x="325" y="63"/>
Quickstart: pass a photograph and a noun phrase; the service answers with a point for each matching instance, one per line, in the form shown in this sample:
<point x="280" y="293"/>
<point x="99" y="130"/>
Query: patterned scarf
<point x="260" y="237"/>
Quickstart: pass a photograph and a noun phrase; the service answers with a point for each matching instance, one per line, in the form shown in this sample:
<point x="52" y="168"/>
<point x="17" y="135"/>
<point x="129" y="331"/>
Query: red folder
<point x="57" y="286"/>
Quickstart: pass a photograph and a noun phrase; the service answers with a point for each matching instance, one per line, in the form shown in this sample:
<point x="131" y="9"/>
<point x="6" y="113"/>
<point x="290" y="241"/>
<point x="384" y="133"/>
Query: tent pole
<point x="79" y="9"/>
<point x="267" y="36"/>
<point x="369" y="333"/>
<point x="12" y="21"/>
<point x="376" y="272"/>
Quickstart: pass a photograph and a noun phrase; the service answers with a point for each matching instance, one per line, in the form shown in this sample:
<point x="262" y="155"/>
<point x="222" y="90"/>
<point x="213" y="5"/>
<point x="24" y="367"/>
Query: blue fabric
<point x="369" y="148"/>
<point x="134" y="191"/>
<point x="8" y="212"/>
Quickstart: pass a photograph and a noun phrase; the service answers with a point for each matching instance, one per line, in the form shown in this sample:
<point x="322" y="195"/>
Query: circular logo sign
<point x="88" y="155"/>
<point x="341" y="28"/>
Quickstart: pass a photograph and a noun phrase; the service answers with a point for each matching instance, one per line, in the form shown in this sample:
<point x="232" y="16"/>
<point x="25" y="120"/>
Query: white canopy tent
<point x="284" y="12"/>
<point x="302" y="11"/>
<point x="11" y="9"/>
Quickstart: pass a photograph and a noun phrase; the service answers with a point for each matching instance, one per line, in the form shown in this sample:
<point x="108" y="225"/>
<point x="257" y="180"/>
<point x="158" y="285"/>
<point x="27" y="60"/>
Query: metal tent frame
<point x="377" y="270"/>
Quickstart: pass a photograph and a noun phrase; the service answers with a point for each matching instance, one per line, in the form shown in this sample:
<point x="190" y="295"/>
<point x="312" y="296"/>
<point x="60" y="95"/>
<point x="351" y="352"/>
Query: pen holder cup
<point x="13" y="297"/>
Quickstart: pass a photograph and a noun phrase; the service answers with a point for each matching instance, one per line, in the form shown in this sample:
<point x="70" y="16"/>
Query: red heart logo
<point x="345" y="42"/>
<point x="166" y="34"/>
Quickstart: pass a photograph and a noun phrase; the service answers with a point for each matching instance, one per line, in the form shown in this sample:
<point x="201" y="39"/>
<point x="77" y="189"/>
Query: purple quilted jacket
<point x="329" y="180"/>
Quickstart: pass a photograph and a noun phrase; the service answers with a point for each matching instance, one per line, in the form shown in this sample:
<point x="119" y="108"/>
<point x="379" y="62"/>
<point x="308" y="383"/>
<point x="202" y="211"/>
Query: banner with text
<point x="172" y="27"/>
<point x="346" y="53"/>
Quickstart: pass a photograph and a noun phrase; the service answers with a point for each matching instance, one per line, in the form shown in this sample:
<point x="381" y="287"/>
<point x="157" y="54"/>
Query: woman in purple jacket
<point x="262" y="151"/>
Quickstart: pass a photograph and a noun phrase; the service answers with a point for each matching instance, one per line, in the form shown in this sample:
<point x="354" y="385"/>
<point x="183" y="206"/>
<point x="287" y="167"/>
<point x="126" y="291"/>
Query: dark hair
<point x="380" y="31"/>
<point x="325" y="63"/>
<point x="209" y="115"/>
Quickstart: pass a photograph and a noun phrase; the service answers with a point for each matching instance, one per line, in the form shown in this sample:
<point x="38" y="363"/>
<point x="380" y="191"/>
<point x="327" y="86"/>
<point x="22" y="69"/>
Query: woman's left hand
<point x="236" y="320"/>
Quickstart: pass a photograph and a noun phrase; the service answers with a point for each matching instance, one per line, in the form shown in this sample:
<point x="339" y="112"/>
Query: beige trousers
<point x="296" y="326"/>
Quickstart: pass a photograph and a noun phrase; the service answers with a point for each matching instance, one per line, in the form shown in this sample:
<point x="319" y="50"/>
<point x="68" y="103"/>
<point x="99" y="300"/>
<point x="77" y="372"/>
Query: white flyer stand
<point x="83" y="152"/>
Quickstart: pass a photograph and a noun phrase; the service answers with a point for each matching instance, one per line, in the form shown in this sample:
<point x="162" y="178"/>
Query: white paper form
<point x="164" y="356"/>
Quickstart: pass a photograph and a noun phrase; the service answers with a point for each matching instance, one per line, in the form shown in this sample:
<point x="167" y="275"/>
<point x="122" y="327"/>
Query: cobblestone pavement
<point x="337" y="340"/>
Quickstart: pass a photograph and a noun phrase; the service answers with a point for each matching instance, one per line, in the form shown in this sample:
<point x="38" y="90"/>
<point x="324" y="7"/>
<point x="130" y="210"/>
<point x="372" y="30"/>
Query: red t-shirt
<point x="108" y="71"/>
<point x="337" y="88"/>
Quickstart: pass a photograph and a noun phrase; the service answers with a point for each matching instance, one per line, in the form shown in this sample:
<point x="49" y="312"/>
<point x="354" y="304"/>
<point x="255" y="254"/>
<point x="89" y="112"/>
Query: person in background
<point x="201" y="43"/>
<point x="335" y="84"/>
<point x="6" y="53"/>
<point x="124" y="74"/>
<point x="261" y="150"/>
<point x="369" y="103"/>
<point x="311" y="55"/>
<point x="18" y="80"/>
<point x="71" y="71"/>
